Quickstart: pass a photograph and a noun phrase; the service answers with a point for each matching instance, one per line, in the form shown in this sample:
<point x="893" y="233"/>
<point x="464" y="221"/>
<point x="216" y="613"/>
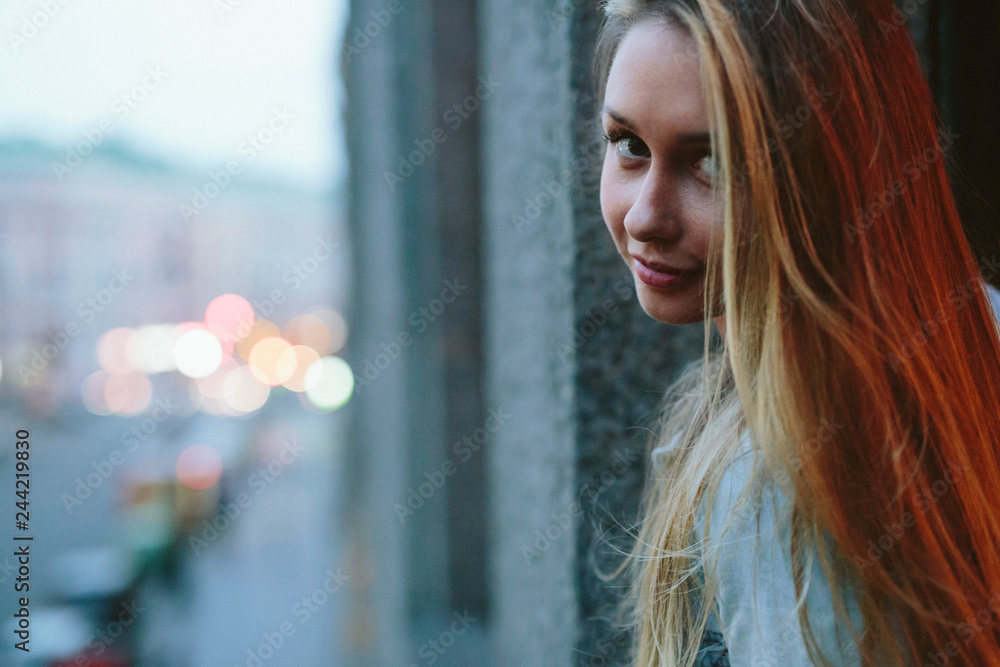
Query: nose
<point x="653" y="214"/>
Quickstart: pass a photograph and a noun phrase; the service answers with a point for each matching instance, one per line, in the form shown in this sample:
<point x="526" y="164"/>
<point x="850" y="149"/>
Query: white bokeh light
<point x="330" y="383"/>
<point x="197" y="353"/>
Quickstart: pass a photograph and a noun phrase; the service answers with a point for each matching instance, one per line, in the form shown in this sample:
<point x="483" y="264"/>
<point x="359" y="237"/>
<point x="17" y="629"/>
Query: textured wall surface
<point x="529" y="298"/>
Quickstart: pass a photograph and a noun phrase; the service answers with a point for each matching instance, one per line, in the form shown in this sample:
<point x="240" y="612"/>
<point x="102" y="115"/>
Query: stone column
<point x="570" y="353"/>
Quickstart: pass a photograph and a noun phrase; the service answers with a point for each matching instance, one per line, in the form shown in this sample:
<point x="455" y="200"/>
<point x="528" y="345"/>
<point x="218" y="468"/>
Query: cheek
<point x="702" y="226"/>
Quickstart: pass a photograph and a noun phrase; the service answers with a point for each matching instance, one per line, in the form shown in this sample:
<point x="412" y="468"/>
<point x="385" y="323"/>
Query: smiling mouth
<point x="660" y="278"/>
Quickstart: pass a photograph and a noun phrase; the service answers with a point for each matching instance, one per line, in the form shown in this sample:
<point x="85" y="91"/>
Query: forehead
<point x="655" y="80"/>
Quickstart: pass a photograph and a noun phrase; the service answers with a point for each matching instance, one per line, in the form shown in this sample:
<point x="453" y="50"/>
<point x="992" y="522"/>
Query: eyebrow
<point x="685" y="138"/>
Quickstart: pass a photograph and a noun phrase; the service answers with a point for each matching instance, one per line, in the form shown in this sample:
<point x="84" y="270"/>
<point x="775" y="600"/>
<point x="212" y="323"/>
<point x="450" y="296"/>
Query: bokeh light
<point x="127" y="394"/>
<point x="336" y="325"/>
<point x="111" y="350"/>
<point x="294" y="363"/>
<point x="244" y="392"/>
<point x="150" y="349"/>
<point x="308" y="330"/>
<point x="264" y="360"/>
<point x="262" y="329"/>
<point x="92" y="393"/>
<point x="213" y="386"/>
<point x="199" y="467"/>
<point x="197" y="353"/>
<point x="330" y="382"/>
<point x="230" y="317"/>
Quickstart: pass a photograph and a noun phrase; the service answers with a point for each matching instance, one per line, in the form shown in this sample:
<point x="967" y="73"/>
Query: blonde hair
<point x="851" y="296"/>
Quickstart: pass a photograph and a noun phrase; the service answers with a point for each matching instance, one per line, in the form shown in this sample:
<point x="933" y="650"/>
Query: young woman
<point x="827" y="478"/>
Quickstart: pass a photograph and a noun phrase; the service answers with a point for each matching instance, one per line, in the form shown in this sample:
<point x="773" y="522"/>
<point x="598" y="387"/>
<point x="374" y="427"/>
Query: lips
<point x="664" y="276"/>
<point x="661" y="267"/>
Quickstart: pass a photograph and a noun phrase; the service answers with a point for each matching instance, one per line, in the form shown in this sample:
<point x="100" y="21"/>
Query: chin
<point x="669" y="308"/>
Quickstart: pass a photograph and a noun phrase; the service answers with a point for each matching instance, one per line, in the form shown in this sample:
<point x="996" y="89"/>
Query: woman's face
<point x="657" y="179"/>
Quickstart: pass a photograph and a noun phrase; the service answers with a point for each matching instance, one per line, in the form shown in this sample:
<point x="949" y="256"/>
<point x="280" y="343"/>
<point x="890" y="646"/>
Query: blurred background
<point x="174" y="270"/>
<point x="315" y="331"/>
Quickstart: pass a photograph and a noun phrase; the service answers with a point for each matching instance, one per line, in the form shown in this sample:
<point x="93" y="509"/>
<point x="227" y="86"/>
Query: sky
<point x="197" y="82"/>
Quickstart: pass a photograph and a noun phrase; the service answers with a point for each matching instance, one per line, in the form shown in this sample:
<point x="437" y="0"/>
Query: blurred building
<point x="124" y="243"/>
<point x="110" y="243"/>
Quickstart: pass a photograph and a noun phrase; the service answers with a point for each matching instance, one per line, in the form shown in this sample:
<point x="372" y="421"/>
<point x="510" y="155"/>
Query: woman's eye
<point x="627" y="146"/>
<point x="630" y="147"/>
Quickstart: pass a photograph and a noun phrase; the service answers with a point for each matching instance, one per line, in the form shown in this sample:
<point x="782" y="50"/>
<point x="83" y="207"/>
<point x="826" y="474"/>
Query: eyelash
<point x="615" y="135"/>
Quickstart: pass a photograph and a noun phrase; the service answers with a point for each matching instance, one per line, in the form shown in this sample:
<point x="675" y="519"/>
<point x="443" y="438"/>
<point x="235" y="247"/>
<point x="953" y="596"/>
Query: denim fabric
<point x="759" y="628"/>
<point x="713" y="651"/>
<point x="756" y="595"/>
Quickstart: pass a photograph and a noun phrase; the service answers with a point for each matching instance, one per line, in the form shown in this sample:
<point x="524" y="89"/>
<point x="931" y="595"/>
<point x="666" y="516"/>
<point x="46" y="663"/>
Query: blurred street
<point x="224" y="597"/>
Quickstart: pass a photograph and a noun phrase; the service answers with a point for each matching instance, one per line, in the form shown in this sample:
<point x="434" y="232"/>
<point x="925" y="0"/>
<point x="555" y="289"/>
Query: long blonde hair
<point x="851" y="297"/>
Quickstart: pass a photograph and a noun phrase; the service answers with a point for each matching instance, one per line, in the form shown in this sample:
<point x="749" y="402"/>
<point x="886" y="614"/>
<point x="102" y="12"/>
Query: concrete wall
<point x="418" y="509"/>
<point x="527" y="141"/>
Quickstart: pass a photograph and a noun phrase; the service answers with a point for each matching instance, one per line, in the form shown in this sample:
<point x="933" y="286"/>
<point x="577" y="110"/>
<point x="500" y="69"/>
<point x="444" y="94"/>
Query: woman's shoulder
<point x="755" y="598"/>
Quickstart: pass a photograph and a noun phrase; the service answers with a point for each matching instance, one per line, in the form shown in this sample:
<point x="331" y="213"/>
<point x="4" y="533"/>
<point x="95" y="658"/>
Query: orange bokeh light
<point x="262" y="329"/>
<point x="264" y="359"/>
<point x="293" y="363"/>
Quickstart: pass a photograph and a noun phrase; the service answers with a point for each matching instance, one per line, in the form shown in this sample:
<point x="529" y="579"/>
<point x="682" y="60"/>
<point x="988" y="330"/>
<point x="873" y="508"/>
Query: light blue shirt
<point x="761" y="628"/>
